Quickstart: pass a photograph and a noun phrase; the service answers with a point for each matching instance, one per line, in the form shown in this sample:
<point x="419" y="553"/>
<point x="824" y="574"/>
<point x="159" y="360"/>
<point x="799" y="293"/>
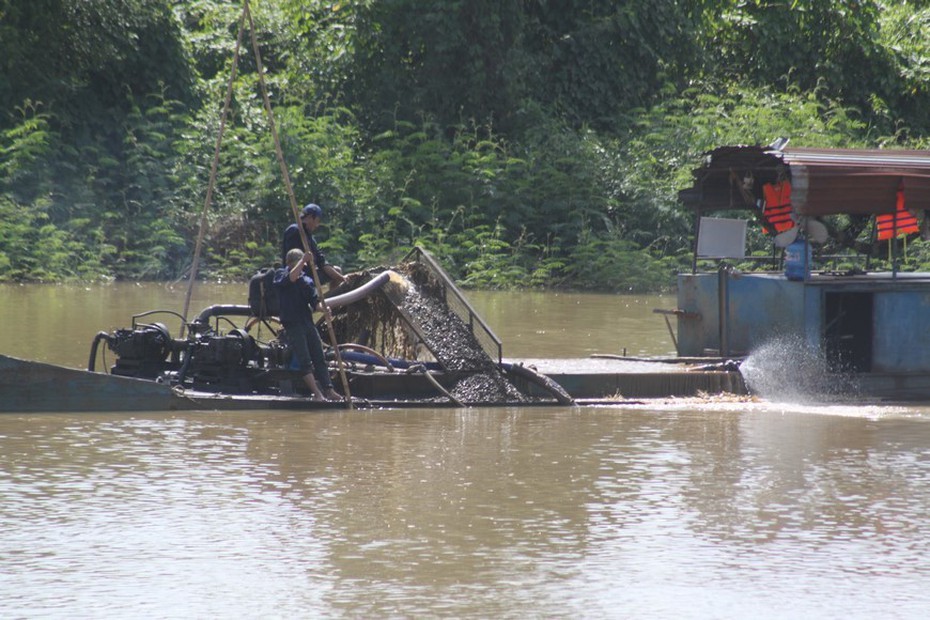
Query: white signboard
<point x="721" y="237"/>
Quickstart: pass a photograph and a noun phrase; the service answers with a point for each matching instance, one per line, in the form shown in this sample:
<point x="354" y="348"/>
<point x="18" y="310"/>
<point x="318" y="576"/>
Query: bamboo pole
<point x="195" y="263"/>
<point x="293" y="200"/>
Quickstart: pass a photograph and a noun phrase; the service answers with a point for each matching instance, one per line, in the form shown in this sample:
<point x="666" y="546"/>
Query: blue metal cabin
<point x="876" y="325"/>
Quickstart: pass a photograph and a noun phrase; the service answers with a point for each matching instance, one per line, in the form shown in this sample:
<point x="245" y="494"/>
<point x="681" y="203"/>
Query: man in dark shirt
<point x="310" y="217"/>
<point x="298" y="299"/>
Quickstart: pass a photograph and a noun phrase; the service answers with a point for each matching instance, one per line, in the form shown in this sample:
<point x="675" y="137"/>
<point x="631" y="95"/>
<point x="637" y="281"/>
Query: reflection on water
<point x="680" y="509"/>
<point x="465" y="513"/>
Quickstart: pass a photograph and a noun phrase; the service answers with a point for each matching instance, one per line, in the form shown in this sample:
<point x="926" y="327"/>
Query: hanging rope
<point x="293" y="199"/>
<point x="195" y="263"/>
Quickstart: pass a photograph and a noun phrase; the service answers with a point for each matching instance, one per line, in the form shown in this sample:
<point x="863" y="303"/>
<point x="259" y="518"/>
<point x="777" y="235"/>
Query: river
<point x="715" y="508"/>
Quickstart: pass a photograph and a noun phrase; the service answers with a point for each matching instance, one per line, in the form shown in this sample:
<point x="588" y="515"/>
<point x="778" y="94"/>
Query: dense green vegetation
<point x="525" y="142"/>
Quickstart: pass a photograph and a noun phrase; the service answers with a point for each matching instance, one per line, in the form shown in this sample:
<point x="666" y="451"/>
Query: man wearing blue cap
<point x="310" y="217"/>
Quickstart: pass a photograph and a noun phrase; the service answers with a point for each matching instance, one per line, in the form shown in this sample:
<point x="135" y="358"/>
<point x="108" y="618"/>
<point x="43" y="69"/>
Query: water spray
<point x="787" y="368"/>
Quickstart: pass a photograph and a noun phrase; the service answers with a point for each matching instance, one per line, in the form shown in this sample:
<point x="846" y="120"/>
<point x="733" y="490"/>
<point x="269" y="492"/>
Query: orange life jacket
<point x="777" y="212"/>
<point x="901" y="222"/>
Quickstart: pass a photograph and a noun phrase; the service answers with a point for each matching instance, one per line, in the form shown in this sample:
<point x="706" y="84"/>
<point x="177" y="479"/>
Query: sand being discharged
<point x="430" y="329"/>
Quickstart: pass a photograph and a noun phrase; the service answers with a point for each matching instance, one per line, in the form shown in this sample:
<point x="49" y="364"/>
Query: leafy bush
<point x="550" y="157"/>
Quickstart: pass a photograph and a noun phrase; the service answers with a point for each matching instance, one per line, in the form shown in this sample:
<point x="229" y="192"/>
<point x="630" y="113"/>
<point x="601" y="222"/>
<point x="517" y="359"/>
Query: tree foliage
<point x="527" y="143"/>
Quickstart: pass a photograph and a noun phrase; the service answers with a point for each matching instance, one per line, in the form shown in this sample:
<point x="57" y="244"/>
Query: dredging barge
<point x="831" y="212"/>
<point x="408" y="338"/>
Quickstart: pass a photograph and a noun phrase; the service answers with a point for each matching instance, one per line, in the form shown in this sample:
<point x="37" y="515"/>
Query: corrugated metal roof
<point x="823" y="181"/>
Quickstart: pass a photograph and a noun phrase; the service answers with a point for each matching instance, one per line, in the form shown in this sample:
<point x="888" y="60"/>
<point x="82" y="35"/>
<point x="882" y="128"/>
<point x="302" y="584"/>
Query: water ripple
<point x="668" y="513"/>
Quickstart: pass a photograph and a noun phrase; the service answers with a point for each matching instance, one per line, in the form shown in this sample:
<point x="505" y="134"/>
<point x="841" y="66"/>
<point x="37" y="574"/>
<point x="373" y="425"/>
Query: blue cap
<point x="312" y="209"/>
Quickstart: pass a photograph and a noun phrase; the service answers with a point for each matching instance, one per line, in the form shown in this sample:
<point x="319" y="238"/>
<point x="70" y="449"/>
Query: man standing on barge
<point x="299" y="299"/>
<point x="310" y="218"/>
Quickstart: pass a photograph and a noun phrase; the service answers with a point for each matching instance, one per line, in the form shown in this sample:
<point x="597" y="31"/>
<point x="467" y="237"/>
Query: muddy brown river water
<point x="699" y="508"/>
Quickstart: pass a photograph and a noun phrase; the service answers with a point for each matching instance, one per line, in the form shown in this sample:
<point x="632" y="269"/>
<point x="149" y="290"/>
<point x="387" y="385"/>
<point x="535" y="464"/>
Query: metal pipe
<point x="422" y="369"/>
<point x="361" y="292"/>
<point x="723" y="300"/>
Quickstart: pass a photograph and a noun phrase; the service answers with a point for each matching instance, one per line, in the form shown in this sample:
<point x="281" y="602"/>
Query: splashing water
<point x="789" y="369"/>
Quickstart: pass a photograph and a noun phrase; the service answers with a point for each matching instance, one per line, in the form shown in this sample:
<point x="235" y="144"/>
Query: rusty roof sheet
<point x="823" y="181"/>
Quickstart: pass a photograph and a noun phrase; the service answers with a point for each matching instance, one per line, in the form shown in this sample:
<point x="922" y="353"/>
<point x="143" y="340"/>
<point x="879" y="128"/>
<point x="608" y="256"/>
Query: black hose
<point x="228" y="309"/>
<point x="92" y="362"/>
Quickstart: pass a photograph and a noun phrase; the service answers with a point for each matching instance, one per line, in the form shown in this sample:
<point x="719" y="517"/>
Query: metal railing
<point x="455" y="301"/>
<point x="777" y="263"/>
